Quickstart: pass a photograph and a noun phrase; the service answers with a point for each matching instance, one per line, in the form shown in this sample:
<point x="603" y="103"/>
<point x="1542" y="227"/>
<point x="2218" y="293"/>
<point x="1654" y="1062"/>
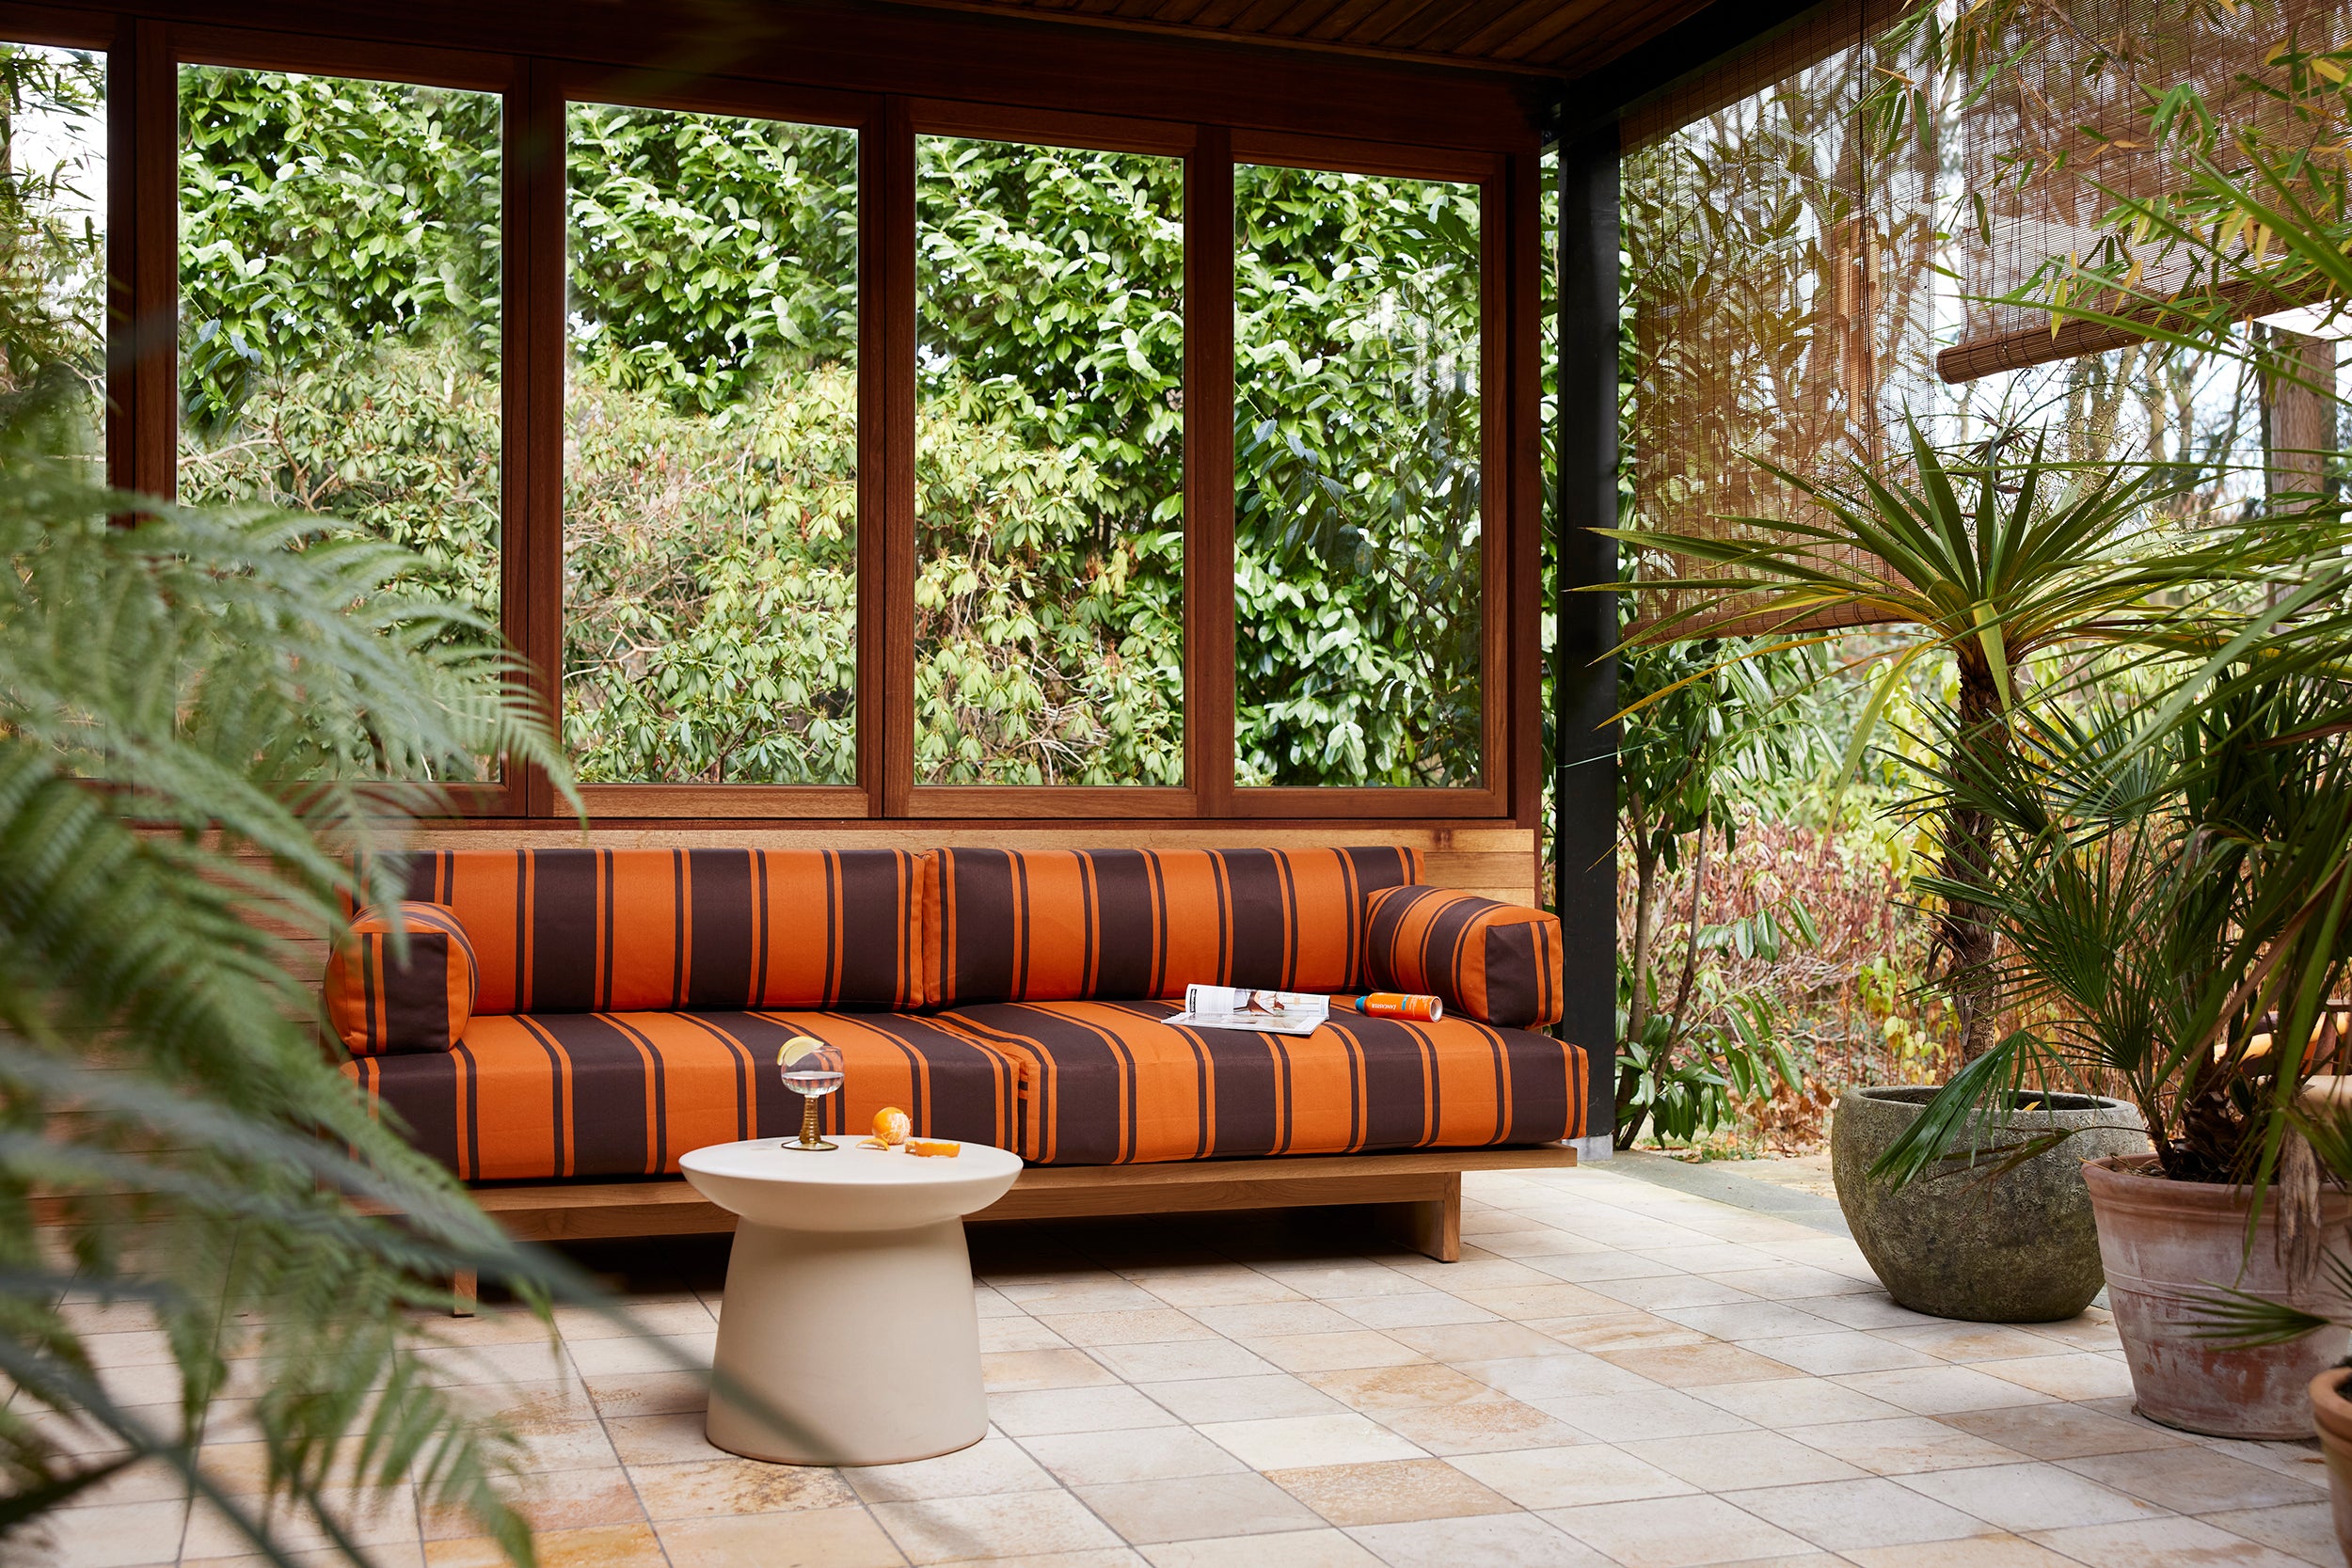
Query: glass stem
<point x="808" y="1122"/>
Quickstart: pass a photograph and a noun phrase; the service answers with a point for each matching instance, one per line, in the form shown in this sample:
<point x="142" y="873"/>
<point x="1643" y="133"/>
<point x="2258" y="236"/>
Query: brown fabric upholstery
<point x="1106" y="1083"/>
<point x="1498" y="963"/>
<point x="535" y="1097"/>
<point x="583" y="930"/>
<point x="1069" y="924"/>
<point x="381" y="1000"/>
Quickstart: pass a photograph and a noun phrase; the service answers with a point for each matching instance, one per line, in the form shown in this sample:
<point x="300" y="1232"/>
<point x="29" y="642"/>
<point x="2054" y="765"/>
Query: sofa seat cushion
<point x="536" y="1097"/>
<point x="1104" y="1083"/>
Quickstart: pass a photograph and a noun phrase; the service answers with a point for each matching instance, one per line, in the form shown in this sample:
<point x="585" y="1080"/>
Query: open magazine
<point x="1290" y="1012"/>
<point x="1262" y="1012"/>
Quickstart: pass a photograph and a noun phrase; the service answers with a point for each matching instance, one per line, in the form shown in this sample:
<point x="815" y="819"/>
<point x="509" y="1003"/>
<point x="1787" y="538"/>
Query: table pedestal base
<point x="866" y="1344"/>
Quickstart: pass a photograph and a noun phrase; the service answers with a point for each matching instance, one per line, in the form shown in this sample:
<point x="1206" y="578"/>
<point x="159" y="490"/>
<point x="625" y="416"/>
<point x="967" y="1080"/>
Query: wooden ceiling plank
<point x="1509" y="26"/>
<point x="1443" y="34"/>
<point x="1568" y="27"/>
<point x="1299" y="17"/>
<point x="1259" y="17"/>
<point x="1343" y="19"/>
<point x="1218" y="15"/>
<point x="1379" y="28"/>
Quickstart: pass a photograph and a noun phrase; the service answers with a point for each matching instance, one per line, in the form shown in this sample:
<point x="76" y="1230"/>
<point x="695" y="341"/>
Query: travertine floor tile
<point x="1194" y="1508"/>
<point x="1390" y="1492"/>
<point x="1051" y="1410"/>
<point x="1013" y="1371"/>
<point x="1558" y="1375"/>
<point x="1145" y="1325"/>
<point x="1475" y="1341"/>
<point x="1482" y="1426"/>
<point x="2161" y="1543"/>
<point x="834" y="1538"/>
<point x="2025" y="1497"/>
<point x="1903" y="1445"/>
<point x="1630" y="1418"/>
<point x="1490" y="1540"/>
<point x="1941" y="1390"/>
<point x="2077" y="1376"/>
<point x="1254" y="1319"/>
<point x="1375" y="1391"/>
<point x="1697" y="1366"/>
<point x="1694" y="1531"/>
<point x="2306" y="1530"/>
<point x="1307" y="1549"/>
<point x="128" y="1535"/>
<point x="1321" y="1352"/>
<point x="1842" y="1516"/>
<point x="2064" y="1431"/>
<point x="1957" y="1341"/>
<point x="995" y="1464"/>
<point x="1843" y="1350"/>
<point x="1984" y="1551"/>
<point x="1294" y="1442"/>
<point x="2198" y="1481"/>
<point x="1562" y="1478"/>
<point x="955" y="1530"/>
<point x="704" y="1488"/>
<point x="1728" y="1461"/>
<point x="1155" y="1453"/>
<point x="1781" y="1401"/>
<point x="1244" y="1399"/>
<point x="1419" y="1310"/>
<point x="1748" y="1319"/>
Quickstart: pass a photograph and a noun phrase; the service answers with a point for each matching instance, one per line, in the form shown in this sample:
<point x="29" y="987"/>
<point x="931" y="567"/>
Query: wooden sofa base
<point x="1417" y="1192"/>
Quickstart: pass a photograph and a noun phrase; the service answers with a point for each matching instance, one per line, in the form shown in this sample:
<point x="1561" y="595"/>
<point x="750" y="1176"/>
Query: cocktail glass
<point x="812" y="1074"/>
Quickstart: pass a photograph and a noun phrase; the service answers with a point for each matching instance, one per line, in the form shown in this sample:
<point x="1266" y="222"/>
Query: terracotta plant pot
<point x="2015" y="1247"/>
<point x="2166" y="1244"/>
<point x="2331" y="1413"/>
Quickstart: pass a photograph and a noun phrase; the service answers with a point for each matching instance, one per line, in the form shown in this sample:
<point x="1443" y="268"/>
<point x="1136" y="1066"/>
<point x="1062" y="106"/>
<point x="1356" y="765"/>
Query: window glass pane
<point x="53" y="271"/>
<point x="339" y="313"/>
<point x="710" y="450"/>
<point x="1356" y="382"/>
<point x="1049" y="593"/>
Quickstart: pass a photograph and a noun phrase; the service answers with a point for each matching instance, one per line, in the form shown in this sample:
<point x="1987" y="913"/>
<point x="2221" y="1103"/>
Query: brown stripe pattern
<point x="1113" y="1083"/>
<point x="379" y="1004"/>
<point x="1072" y="925"/>
<point x="1498" y="963"/>
<point x="543" y="1096"/>
<point x="625" y="930"/>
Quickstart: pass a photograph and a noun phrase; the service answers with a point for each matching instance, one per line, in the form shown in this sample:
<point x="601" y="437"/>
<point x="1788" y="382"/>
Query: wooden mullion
<point x="533" y="467"/>
<point x="1496" y="513"/>
<point x="1209" y="473"/>
<point x="1521" y="191"/>
<point x="143" y="259"/>
<point x="892" y="196"/>
<point x="1286" y="801"/>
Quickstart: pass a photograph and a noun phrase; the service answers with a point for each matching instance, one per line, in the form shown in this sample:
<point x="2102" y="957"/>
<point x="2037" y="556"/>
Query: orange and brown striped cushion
<point x="536" y="1097"/>
<point x="381" y="1002"/>
<point x="1104" y="1083"/>
<point x="585" y="930"/>
<point x="1498" y="963"/>
<point x="1070" y="924"/>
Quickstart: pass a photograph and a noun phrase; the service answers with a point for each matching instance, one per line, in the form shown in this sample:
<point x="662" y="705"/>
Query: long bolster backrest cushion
<point x="1498" y="963"/>
<point x="1127" y="925"/>
<point x="624" y="931"/>
<point x="387" y="996"/>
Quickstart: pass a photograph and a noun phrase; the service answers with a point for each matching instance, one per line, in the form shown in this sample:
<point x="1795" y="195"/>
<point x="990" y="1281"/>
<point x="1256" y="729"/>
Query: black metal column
<point x="1585" y="688"/>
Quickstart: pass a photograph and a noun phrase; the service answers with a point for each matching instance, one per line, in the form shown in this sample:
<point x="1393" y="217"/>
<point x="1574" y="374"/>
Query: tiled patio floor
<point x="1616" y="1373"/>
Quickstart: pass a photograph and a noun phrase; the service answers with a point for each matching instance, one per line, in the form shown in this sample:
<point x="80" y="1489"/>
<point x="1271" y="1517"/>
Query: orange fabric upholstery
<point x="1106" y="1083"/>
<point x="380" y="1002"/>
<point x="586" y="931"/>
<point x="537" y="1097"/>
<point x="1498" y="963"/>
<point x="1071" y="925"/>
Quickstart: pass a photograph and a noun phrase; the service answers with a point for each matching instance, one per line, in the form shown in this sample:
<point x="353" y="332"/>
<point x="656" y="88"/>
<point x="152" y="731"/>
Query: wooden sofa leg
<point x="468" y="1291"/>
<point x="1432" y="1227"/>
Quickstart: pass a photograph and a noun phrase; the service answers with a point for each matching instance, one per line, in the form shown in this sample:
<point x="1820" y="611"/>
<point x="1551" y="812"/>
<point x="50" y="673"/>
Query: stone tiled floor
<point x="1615" y="1373"/>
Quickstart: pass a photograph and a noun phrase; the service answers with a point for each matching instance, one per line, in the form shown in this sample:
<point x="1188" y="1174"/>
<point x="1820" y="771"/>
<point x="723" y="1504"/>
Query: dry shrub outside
<point x="1852" y="1008"/>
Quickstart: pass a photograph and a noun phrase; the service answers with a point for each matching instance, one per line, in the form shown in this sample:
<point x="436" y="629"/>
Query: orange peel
<point x="935" y="1149"/>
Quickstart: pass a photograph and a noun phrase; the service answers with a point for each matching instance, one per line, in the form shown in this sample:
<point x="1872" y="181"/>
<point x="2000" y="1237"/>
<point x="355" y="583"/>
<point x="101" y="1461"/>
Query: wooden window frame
<point x="1490" y="797"/>
<point x="1484" y="147"/>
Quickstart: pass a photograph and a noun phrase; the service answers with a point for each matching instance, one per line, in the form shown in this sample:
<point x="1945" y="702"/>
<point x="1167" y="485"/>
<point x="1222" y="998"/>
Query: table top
<point x="770" y="1160"/>
<point x="847" y="1188"/>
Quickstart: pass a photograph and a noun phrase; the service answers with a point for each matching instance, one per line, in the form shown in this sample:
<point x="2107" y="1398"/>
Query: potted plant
<point x="1998" y="560"/>
<point x="2170" y="896"/>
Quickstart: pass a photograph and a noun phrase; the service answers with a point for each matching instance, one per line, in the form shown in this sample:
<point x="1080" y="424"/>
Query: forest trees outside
<point x="340" y="279"/>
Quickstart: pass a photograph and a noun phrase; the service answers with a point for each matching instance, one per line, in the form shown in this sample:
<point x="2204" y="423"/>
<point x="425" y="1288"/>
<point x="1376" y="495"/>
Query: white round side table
<point x="848" y="1306"/>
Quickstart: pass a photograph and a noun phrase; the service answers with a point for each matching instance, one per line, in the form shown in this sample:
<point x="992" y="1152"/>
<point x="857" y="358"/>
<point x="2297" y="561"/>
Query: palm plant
<point x="1993" y="560"/>
<point x="2170" y="901"/>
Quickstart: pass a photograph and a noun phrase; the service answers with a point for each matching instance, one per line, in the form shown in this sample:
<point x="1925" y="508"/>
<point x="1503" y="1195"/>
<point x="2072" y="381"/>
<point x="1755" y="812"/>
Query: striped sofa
<point x="622" y="1006"/>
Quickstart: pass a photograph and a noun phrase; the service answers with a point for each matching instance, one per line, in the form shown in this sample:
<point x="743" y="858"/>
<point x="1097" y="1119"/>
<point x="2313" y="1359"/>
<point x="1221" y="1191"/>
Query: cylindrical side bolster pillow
<point x="381" y="1006"/>
<point x="1498" y="963"/>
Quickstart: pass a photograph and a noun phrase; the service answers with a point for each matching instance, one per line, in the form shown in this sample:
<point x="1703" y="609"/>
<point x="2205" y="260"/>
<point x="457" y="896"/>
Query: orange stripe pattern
<point x="1076" y="924"/>
<point x="1105" y="1083"/>
<point x="380" y="1005"/>
<point x="542" y="1096"/>
<point x="627" y="930"/>
<point x="1498" y="963"/>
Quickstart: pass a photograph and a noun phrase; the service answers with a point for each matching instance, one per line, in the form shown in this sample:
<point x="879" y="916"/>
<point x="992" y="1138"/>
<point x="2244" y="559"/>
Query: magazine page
<point x="1261" y="1012"/>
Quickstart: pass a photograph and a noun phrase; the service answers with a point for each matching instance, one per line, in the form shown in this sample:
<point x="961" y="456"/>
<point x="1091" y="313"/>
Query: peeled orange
<point x="891" y="1125"/>
<point x="937" y="1148"/>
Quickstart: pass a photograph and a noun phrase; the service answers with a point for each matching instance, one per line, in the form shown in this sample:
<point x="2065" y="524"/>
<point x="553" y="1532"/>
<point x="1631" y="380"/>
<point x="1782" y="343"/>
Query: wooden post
<point x="467" y="1288"/>
<point x="1431" y="1227"/>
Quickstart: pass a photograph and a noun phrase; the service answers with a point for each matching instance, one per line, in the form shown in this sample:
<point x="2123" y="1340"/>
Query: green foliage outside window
<point x="342" y="323"/>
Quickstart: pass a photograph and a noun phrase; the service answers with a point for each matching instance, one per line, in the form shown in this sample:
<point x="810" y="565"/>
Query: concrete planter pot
<point x="2165" y="1245"/>
<point x="2018" y="1248"/>
<point x="2331" y="1415"/>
